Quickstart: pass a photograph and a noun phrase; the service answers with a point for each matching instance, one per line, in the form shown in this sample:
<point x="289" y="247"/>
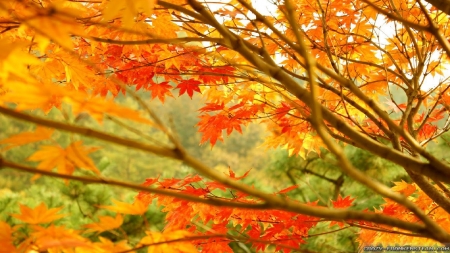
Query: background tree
<point x="321" y="75"/>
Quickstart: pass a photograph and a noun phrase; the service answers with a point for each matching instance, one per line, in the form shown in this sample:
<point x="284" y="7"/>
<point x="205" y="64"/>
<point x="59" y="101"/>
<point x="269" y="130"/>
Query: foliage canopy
<point x="320" y="75"/>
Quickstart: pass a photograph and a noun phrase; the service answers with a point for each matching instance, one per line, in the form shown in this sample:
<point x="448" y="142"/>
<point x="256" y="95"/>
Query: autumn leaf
<point x="40" y="134"/>
<point x="137" y="208"/>
<point x="286" y="190"/>
<point x="38" y="215"/>
<point x="6" y="239"/>
<point x="65" y="160"/>
<point x="128" y="10"/>
<point x="98" y="107"/>
<point x="161" y="90"/>
<point x="14" y="59"/>
<point x="404" y="188"/>
<point x="33" y="95"/>
<point x="105" y="223"/>
<point x="343" y="202"/>
<point x="233" y="175"/>
<point x="113" y="247"/>
<point x="56" y="238"/>
<point x="87" y="57"/>
<point x="169" y="247"/>
<point x="188" y="86"/>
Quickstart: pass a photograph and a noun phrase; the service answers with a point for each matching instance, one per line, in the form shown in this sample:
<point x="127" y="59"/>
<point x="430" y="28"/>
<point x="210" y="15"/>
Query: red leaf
<point x="290" y="188"/>
<point x="233" y="175"/>
<point x="190" y="180"/>
<point x="150" y="181"/>
<point x="211" y="107"/>
<point x="169" y="182"/>
<point x="343" y="202"/>
<point x="215" y="185"/>
<point x="189" y="86"/>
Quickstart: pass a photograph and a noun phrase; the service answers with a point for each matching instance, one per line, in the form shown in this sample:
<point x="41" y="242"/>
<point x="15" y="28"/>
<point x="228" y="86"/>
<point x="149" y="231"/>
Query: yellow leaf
<point x="58" y="27"/>
<point x="105" y="223"/>
<point x="404" y="188"/>
<point x="169" y="247"/>
<point x="78" y="155"/>
<point x="38" y="215"/>
<point x="97" y="107"/>
<point x="108" y="246"/>
<point x="40" y="134"/>
<point x="65" y="160"/>
<point x="32" y="95"/>
<point x="15" y="59"/>
<point x="164" y="27"/>
<point x="127" y="10"/>
<point x="137" y="208"/>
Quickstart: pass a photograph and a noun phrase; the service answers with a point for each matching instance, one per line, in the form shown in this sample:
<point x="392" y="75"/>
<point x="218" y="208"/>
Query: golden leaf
<point x="40" y="134"/>
<point x="128" y="10"/>
<point x="175" y="247"/>
<point x="105" y="223"/>
<point x="65" y="160"/>
<point x="38" y="215"/>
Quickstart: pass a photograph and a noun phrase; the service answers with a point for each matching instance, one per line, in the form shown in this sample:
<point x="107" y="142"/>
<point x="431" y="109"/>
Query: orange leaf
<point x="40" y="134"/>
<point x="109" y="246"/>
<point x="6" y="239"/>
<point x="404" y="188"/>
<point x="97" y="107"/>
<point x="127" y="10"/>
<point x="65" y="160"/>
<point x="161" y="90"/>
<point x="38" y="215"/>
<point x="56" y="239"/>
<point x="105" y="223"/>
<point x="290" y="188"/>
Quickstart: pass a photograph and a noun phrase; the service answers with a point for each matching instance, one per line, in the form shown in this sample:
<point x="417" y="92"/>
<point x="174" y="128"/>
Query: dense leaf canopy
<point x="318" y="75"/>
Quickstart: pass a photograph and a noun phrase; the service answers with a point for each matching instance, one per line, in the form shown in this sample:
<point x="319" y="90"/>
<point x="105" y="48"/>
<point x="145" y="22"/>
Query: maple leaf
<point x="427" y="131"/>
<point x="404" y="188"/>
<point x="233" y="175"/>
<point x="97" y="107"/>
<point x="33" y="95"/>
<point x="128" y="10"/>
<point x="38" y="215"/>
<point x="288" y="189"/>
<point x="343" y="202"/>
<point x="65" y="160"/>
<point x="105" y="223"/>
<point x="137" y="208"/>
<point x="188" y="86"/>
<point x="39" y="134"/>
<point x="14" y="60"/>
<point x="170" y="247"/>
<point x="212" y="107"/>
<point x="161" y="90"/>
<point x="56" y="239"/>
<point x="215" y="185"/>
<point x="211" y="128"/>
<point x="109" y="246"/>
<point x="6" y="239"/>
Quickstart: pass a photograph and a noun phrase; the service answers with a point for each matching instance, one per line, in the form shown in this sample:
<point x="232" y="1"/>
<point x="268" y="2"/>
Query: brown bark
<point x="442" y="5"/>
